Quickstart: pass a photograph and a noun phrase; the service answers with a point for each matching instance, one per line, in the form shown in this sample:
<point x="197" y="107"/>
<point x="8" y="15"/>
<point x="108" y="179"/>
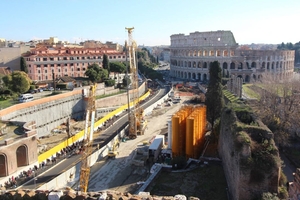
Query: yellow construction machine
<point x="112" y="151"/>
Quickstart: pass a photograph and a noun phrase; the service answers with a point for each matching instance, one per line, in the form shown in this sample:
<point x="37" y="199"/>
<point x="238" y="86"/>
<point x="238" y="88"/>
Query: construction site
<point x="158" y="139"/>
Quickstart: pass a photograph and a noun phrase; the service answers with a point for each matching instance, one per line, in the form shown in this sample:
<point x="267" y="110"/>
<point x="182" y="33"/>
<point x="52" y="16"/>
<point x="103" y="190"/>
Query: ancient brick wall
<point x="247" y="178"/>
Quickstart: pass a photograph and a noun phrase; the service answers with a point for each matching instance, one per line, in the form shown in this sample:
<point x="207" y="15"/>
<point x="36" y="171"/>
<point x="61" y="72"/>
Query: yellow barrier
<point x="71" y="140"/>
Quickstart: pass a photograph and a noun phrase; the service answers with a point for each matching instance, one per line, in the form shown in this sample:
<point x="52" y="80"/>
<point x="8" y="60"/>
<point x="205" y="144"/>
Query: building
<point x="115" y="46"/>
<point x="45" y="62"/>
<point x="192" y="54"/>
<point x="10" y="56"/>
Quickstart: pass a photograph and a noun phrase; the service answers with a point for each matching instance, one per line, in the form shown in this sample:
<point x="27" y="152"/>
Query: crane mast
<point x="134" y="113"/>
<point x="88" y="139"/>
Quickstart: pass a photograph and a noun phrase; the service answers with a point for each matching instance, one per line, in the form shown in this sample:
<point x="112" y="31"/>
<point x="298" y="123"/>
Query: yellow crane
<point x="88" y="139"/>
<point x="136" y="122"/>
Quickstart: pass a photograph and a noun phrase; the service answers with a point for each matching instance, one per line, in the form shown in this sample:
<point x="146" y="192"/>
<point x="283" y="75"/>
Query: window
<point x="58" y="70"/>
<point x="29" y="65"/>
<point x="46" y="77"/>
<point x="78" y="69"/>
<point x="39" y="71"/>
<point x="72" y="64"/>
<point x="65" y="58"/>
<point x="51" y="58"/>
<point x="66" y="70"/>
<point x="83" y="69"/>
<point x="82" y="58"/>
<point x="52" y="65"/>
<point x="110" y="57"/>
<point x="45" y="71"/>
<point x="114" y="57"/>
<point x="44" y="59"/>
<point x="58" y="65"/>
<point x="38" y="66"/>
<point x="119" y="56"/>
<point x="66" y="64"/>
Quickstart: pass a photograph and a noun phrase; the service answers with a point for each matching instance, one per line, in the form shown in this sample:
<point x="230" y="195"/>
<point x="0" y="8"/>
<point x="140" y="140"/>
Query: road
<point x="65" y="164"/>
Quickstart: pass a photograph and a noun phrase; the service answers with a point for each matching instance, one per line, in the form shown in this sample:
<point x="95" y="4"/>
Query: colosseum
<point x="192" y="54"/>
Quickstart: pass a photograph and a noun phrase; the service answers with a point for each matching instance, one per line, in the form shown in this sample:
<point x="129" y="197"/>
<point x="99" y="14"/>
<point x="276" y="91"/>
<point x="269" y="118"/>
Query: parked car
<point x="51" y="88"/>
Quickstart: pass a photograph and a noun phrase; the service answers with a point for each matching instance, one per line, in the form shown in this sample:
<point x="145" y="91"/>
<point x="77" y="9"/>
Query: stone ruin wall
<point x="238" y="178"/>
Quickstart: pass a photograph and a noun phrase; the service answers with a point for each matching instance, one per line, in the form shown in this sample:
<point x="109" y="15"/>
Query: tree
<point x="110" y="82"/>
<point x="126" y="81"/>
<point x="96" y="73"/>
<point x="105" y="62"/>
<point x="278" y="107"/>
<point x="23" y="65"/>
<point x="117" y="67"/>
<point x="214" y="96"/>
<point x="18" y="81"/>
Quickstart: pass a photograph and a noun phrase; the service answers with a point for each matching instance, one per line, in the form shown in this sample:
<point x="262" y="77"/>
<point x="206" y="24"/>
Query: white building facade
<point x="191" y="56"/>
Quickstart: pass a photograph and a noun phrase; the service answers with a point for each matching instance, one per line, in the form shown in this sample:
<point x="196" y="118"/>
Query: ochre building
<point x="192" y="54"/>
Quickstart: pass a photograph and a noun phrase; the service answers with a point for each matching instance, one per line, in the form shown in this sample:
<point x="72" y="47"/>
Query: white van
<point x="25" y="98"/>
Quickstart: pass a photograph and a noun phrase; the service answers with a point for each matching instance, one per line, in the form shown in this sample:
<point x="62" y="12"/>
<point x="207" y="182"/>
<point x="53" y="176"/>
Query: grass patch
<point x="204" y="182"/>
<point x="6" y="103"/>
<point x="231" y="97"/>
<point x="249" y="92"/>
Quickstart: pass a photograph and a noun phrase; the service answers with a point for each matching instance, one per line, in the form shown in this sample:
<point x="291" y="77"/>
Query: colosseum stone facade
<point x="192" y="54"/>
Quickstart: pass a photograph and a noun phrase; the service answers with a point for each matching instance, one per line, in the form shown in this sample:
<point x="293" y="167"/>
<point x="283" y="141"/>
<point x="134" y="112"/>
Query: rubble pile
<point x="73" y="195"/>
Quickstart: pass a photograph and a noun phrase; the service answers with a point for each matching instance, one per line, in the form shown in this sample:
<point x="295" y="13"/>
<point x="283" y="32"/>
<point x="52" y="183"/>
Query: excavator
<point x="112" y="151"/>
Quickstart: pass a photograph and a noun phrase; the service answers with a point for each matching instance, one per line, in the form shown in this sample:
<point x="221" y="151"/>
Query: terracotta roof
<point x="66" y="79"/>
<point x="5" y="71"/>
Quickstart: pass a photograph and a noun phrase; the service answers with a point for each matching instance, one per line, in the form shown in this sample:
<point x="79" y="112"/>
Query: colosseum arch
<point x="263" y="65"/>
<point x="205" y="65"/>
<point x="225" y="66"/>
<point x="254" y="77"/>
<point x="181" y="76"/>
<point x="204" y="77"/>
<point x="189" y="75"/>
<point x="185" y="75"/>
<point x="189" y="64"/>
<point x="193" y="76"/>
<point x="268" y="65"/>
<point x="195" y="53"/>
<point x="225" y="53"/>
<point x="199" y="65"/>
<point x="185" y="63"/>
<point x="21" y="155"/>
<point x="199" y="76"/>
<point x="232" y="65"/>
<point x="200" y="53"/>
<point x="247" y="79"/>
<point x="240" y="76"/>
<point x="194" y="64"/>
<point x="253" y="65"/>
<point x="3" y="165"/>
<point x="273" y="65"/>
<point x="205" y="53"/>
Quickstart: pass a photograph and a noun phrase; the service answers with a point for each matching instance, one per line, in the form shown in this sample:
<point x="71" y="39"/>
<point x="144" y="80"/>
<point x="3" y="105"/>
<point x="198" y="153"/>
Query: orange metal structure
<point x="188" y="131"/>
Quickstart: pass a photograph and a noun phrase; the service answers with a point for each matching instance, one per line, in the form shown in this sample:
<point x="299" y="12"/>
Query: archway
<point x="3" y="165"/>
<point x="193" y="76"/>
<point x="199" y="76"/>
<point x="21" y="156"/>
<point x="205" y="65"/>
<point x="247" y="79"/>
<point x="204" y="77"/>
<point x="253" y="65"/>
<point x="254" y="77"/>
<point x="232" y="65"/>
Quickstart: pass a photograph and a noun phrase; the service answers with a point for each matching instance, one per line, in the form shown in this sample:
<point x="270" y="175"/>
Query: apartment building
<point x="45" y="62"/>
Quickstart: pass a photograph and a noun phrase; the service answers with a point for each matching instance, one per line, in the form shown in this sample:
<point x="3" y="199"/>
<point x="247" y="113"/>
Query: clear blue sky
<point x="251" y="21"/>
